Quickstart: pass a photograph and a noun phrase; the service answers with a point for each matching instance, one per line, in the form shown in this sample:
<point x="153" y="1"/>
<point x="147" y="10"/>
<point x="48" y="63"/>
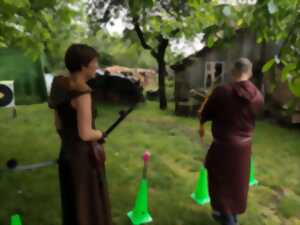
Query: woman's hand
<point x="101" y="139"/>
<point x="100" y="134"/>
<point x="98" y="154"/>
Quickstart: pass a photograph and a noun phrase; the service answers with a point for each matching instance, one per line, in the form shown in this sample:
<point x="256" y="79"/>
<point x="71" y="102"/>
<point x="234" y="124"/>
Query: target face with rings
<point x="6" y="95"/>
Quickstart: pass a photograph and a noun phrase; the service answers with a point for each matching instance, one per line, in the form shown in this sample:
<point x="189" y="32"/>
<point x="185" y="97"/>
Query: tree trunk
<point x="160" y="59"/>
<point x="162" y="71"/>
<point x="162" y="87"/>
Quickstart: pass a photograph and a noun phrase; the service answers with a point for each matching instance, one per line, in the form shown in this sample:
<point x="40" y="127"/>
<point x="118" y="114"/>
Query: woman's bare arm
<point x="84" y="118"/>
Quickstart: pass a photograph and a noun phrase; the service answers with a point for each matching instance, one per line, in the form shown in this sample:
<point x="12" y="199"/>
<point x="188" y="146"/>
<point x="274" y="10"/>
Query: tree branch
<point x="142" y="38"/>
<point x="165" y="7"/>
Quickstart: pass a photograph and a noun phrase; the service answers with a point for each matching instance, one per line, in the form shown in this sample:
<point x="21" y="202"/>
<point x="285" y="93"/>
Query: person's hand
<point x="100" y="134"/>
<point x="101" y="139"/>
<point x="98" y="154"/>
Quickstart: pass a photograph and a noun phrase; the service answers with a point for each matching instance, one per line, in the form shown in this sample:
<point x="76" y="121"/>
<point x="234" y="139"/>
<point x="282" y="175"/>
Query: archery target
<point x="7" y="94"/>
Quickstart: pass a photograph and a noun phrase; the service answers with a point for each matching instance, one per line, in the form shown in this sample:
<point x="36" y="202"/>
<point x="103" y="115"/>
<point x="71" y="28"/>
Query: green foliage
<point x="210" y="41"/>
<point x="34" y="23"/>
<point x="116" y="50"/>
<point x="287" y="70"/>
<point x="280" y="21"/>
<point x="106" y="59"/>
<point x="294" y="85"/>
<point x="158" y="19"/>
<point x="268" y="65"/>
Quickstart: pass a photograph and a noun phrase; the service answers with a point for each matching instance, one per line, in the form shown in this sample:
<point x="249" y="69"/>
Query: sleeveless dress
<point x="84" y="194"/>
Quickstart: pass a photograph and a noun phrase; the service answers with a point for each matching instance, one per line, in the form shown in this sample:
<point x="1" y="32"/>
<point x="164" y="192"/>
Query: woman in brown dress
<point x="83" y="186"/>
<point x="232" y="108"/>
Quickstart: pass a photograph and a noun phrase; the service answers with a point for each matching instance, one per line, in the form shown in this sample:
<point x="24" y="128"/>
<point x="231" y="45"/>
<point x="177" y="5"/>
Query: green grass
<point x="176" y="157"/>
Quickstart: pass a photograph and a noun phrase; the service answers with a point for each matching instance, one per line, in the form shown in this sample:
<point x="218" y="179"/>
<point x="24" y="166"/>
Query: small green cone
<point x="15" y="220"/>
<point x="201" y="195"/>
<point x="252" y="180"/>
<point x="140" y="214"/>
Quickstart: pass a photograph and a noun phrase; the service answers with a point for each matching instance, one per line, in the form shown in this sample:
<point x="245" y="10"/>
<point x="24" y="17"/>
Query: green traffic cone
<point x="140" y="214"/>
<point x="15" y="220"/>
<point x="252" y="180"/>
<point x="201" y="195"/>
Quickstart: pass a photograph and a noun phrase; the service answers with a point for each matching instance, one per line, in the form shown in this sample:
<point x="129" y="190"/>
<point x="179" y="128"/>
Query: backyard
<point x="173" y="170"/>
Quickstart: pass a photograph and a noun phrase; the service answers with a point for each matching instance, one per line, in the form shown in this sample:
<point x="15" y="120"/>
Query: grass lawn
<point x="176" y="158"/>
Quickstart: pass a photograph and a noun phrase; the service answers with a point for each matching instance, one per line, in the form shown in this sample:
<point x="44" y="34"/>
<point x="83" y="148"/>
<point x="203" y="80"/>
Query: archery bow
<point x="201" y="108"/>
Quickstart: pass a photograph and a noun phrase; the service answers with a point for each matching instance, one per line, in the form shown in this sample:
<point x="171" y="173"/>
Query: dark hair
<point x="79" y="55"/>
<point x="242" y="65"/>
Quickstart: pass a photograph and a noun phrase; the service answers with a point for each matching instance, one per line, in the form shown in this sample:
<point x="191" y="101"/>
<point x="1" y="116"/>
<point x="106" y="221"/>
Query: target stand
<point x="7" y="98"/>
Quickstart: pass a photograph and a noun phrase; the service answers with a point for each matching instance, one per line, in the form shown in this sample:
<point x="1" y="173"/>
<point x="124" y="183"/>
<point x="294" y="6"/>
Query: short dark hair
<point x="78" y="55"/>
<point x="242" y="65"/>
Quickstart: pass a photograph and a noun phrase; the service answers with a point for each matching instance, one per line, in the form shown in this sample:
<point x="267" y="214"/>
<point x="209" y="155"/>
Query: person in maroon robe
<point x="232" y="108"/>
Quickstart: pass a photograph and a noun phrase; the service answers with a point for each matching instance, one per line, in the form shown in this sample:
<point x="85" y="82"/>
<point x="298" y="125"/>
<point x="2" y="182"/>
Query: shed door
<point x="214" y="73"/>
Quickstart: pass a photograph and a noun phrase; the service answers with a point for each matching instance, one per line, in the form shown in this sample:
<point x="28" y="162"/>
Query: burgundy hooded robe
<point x="232" y="109"/>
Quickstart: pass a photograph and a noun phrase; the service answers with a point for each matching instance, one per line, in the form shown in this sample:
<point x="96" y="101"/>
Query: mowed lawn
<point x="176" y="158"/>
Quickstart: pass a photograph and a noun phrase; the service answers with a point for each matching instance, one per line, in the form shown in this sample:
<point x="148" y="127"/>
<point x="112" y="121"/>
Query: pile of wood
<point x="144" y="76"/>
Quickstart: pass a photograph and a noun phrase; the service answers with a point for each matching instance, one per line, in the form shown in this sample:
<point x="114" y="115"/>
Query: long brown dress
<point x="84" y="194"/>
<point x="232" y="109"/>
